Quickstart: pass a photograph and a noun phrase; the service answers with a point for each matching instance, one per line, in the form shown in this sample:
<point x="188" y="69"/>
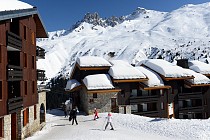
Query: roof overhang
<point x="40" y="29"/>
<point x="75" y="89"/>
<point x="176" y="78"/>
<point x="146" y="87"/>
<point x="129" y="80"/>
<point x="87" y="68"/>
<point x="103" y="90"/>
<point x="187" y="83"/>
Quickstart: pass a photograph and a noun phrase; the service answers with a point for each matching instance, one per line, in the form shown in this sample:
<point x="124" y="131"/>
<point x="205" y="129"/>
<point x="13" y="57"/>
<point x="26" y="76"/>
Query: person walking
<point x="65" y="110"/>
<point x="109" y="121"/>
<point x="73" y="114"/>
<point x="95" y="114"/>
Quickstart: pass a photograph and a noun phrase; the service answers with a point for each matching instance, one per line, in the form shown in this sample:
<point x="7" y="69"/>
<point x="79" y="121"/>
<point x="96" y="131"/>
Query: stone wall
<point x="102" y="102"/>
<point x="7" y="127"/>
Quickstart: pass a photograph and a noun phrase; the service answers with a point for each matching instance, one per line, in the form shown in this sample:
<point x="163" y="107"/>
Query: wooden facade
<point x="178" y="98"/>
<point x="18" y="72"/>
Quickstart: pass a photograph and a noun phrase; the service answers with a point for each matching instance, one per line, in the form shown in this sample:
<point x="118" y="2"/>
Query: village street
<point x="59" y="128"/>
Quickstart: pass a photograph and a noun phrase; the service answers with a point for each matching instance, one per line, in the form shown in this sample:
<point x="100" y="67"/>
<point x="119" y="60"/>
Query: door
<point x="113" y="104"/>
<point x="14" y="126"/>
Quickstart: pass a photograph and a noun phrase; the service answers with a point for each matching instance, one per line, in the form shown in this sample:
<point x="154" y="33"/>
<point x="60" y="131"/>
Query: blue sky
<point x="62" y="14"/>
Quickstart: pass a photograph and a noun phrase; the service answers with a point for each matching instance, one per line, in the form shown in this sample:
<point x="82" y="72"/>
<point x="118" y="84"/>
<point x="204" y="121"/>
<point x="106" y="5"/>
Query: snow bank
<point x="98" y="81"/>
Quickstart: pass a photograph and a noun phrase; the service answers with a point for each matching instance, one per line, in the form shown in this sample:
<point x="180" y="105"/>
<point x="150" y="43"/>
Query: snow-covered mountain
<point x="182" y="33"/>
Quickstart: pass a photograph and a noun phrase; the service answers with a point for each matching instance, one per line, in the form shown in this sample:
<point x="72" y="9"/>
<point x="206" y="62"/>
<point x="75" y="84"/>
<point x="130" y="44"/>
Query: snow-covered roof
<point x="98" y="81"/>
<point x="92" y="61"/>
<point x="8" y="5"/>
<point x="199" y="78"/>
<point x="71" y="84"/>
<point x="199" y="66"/>
<point x="166" y="68"/>
<point x="123" y="70"/>
<point x="154" y="79"/>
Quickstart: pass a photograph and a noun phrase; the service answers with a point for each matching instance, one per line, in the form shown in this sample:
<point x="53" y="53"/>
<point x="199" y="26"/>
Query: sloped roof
<point x="123" y="70"/>
<point x="13" y="9"/>
<point x="72" y="84"/>
<point x="98" y="81"/>
<point x="198" y="78"/>
<point x="167" y="69"/>
<point x="199" y="66"/>
<point x="154" y="79"/>
<point x="92" y="61"/>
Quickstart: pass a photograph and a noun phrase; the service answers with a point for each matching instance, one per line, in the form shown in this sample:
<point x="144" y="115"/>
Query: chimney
<point x="183" y="63"/>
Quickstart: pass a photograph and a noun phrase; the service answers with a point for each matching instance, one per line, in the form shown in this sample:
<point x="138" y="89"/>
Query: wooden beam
<point x="176" y="78"/>
<point x="195" y="85"/>
<point x="129" y="80"/>
<point x="103" y="90"/>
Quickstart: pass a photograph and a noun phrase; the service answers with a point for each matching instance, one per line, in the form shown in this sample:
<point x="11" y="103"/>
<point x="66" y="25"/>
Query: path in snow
<point x="60" y="128"/>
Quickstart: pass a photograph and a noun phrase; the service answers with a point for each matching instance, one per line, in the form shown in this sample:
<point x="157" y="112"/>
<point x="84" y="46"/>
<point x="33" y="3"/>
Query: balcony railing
<point x="14" y="42"/>
<point x="15" y="104"/>
<point x="191" y="109"/>
<point x="41" y="75"/>
<point x="137" y="99"/>
<point x="40" y="52"/>
<point x="14" y="73"/>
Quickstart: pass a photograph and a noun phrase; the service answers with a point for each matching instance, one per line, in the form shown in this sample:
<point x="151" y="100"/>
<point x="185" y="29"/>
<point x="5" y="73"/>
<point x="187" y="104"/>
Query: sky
<point x="58" y="15"/>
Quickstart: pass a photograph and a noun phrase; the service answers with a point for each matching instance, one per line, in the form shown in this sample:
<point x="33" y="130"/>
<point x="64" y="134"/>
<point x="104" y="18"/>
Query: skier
<point x="96" y="114"/>
<point x="109" y="121"/>
<point x="74" y="115"/>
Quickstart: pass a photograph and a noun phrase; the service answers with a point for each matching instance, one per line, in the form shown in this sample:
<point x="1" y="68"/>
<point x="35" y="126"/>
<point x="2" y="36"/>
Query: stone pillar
<point x="7" y="127"/>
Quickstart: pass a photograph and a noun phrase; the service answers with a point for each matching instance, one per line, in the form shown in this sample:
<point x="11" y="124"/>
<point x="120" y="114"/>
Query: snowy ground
<point x="127" y="127"/>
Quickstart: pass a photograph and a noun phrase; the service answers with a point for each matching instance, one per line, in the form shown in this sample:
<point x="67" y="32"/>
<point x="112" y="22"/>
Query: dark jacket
<point x="73" y="113"/>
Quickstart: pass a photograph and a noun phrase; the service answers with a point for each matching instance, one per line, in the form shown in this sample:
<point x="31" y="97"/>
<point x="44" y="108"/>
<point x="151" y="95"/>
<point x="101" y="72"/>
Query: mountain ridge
<point x="182" y="33"/>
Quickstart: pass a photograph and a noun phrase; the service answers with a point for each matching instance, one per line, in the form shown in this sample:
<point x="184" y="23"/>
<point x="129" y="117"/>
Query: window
<point x="1" y="127"/>
<point x="25" y="117"/>
<point x="33" y="38"/>
<point x="25" y="32"/>
<point x="0" y="90"/>
<point x="33" y="62"/>
<point x="134" y="108"/>
<point x="34" y="112"/>
<point x="33" y="87"/>
<point x="25" y="60"/>
<point x="134" y="92"/>
<point x="25" y="87"/>
<point x="94" y="95"/>
<point x="162" y="105"/>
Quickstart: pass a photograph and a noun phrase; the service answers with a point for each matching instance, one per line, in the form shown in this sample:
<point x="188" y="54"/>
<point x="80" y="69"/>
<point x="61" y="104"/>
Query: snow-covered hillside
<point x="182" y="33"/>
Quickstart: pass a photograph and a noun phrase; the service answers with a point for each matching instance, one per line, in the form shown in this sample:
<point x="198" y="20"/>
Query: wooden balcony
<point x="40" y="53"/>
<point x="40" y="75"/>
<point x="144" y="99"/>
<point x="15" y="104"/>
<point x="14" y="42"/>
<point x="14" y="73"/>
<point x="191" y="109"/>
<point x="148" y="113"/>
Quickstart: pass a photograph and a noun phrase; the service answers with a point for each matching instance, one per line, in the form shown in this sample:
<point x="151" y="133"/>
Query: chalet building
<point x="22" y="108"/>
<point x="189" y="96"/>
<point x="156" y="88"/>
